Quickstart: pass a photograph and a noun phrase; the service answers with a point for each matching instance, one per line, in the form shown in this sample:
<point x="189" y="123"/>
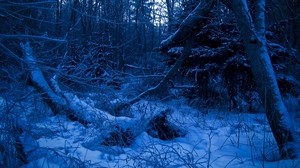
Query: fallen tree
<point x="121" y="130"/>
<point x="56" y="103"/>
<point x="156" y="125"/>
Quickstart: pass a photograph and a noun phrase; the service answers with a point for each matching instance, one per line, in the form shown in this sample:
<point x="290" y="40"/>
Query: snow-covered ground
<point x="213" y="139"/>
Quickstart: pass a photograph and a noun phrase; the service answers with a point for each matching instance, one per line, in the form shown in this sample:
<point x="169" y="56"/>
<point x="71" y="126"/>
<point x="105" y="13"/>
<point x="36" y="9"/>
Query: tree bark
<point x="253" y="36"/>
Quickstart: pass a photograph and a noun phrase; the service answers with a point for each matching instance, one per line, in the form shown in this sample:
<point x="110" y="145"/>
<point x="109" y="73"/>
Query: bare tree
<point x="297" y="8"/>
<point x="170" y="10"/>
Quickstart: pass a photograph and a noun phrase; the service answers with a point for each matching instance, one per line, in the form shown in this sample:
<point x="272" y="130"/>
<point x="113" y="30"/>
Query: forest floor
<point x="214" y="138"/>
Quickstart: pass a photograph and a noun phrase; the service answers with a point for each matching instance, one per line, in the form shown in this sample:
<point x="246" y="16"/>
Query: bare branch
<point x="22" y="36"/>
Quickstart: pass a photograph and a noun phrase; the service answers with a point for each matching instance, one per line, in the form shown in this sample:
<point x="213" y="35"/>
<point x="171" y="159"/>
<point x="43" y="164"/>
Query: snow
<point x="37" y="75"/>
<point x="218" y="139"/>
<point x="175" y="50"/>
<point x="213" y="138"/>
<point x="88" y="113"/>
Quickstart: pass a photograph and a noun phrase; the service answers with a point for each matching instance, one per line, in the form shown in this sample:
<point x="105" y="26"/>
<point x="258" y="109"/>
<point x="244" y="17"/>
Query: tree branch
<point x="163" y="83"/>
<point x="22" y="36"/>
<point x="191" y="23"/>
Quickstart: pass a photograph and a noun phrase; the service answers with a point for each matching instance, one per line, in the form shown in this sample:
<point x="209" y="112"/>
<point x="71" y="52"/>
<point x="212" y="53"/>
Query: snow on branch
<point x="37" y="75"/>
<point x="189" y="24"/>
<point x="73" y="107"/>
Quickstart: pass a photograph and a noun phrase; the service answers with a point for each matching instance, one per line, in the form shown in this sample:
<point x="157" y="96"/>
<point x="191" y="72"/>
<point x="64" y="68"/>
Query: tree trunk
<point x="73" y="16"/>
<point x="187" y="28"/>
<point x="170" y="12"/>
<point x="120" y="130"/>
<point x="58" y="17"/>
<point x="297" y="26"/>
<point x="55" y="102"/>
<point x="156" y="125"/>
<point x="253" y="36"/>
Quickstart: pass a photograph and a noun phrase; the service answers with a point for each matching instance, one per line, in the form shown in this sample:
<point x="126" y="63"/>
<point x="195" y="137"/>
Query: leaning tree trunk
<point x="194" y="21"/>
<point x="253" y="36"/>
<point x="189" y="25"/>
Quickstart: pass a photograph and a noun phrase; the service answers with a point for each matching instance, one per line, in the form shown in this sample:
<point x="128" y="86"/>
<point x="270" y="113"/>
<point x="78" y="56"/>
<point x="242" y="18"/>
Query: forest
<point x="150" y="83"/>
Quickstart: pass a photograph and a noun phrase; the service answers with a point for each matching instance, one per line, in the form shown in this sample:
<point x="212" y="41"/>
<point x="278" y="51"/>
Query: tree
<point x="253" y="36"/>
<point x="141" y="10"/>
<point x="189" y="25"/>
<point x="252" y="28"/>
<point x="297" y="32"/>
<point x="170" y="10"/>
